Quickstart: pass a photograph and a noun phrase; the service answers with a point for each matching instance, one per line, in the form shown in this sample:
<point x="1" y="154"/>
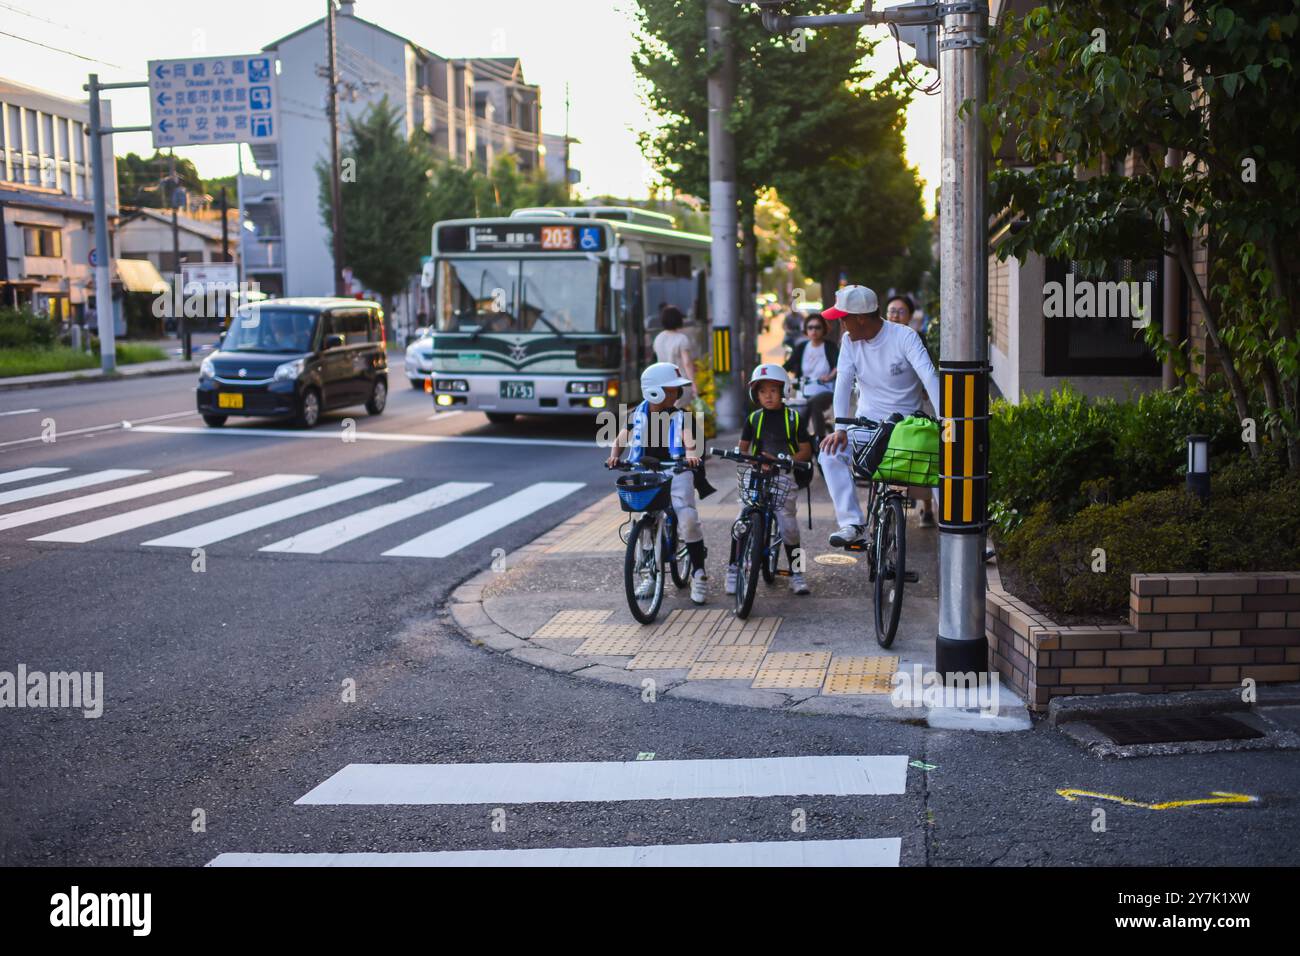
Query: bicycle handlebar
<point x="784" y="462"/>
<point x="649" y="463"/>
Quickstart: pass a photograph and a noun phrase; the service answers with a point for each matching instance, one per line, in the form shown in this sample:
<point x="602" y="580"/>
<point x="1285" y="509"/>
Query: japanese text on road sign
<point x="224" y="99"/>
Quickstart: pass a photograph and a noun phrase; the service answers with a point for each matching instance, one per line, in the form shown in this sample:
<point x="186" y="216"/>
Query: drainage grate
<point x="1160" y="730"/>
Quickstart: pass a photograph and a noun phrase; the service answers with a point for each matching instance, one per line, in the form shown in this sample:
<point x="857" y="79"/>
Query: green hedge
<point x="1065" y="452"/>
<point x="22" y="329"/>
<point x="1251" y="523"/>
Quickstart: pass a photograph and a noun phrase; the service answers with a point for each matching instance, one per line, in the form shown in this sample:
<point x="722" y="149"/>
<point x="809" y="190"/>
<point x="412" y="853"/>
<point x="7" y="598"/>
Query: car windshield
<point x="260" y="329"/>
<point x="545" y="295"/>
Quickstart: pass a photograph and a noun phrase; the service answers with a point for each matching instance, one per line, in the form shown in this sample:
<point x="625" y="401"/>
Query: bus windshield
<point x="542" y="295"/>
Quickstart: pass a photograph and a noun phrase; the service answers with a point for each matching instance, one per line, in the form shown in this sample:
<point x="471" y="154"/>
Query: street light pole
<point x="103" y="284"/>
<point x="336" y="189"/>
<point x="727" y="357"/>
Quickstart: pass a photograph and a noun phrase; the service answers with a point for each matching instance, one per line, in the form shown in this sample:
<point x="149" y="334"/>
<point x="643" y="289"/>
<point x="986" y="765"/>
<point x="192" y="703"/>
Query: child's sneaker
<point x="699" y="587"/>
<point x="797" y="584"/>
<point x="732" y="573"/>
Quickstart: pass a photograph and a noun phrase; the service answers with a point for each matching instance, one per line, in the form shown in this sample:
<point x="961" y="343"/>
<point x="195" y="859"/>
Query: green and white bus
<point x="552" y="311"/>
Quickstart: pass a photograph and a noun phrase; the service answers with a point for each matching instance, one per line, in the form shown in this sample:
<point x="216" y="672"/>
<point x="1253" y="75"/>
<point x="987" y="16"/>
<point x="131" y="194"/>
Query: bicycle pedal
<point x="856" y="547"/>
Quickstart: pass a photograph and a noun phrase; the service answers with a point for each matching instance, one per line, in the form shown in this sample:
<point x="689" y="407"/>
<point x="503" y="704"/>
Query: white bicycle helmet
<point x="767" y="373"/>
<point x="659" y="376"/>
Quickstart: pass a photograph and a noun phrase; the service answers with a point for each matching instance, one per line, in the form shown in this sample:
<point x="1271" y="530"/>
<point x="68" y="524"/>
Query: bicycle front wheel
<point x="679" y="559"/>
<point x="772" y="548"/>
<point x="751" y="562"/>
<point x="643" y="571"/>
<point x="890" y="565"/>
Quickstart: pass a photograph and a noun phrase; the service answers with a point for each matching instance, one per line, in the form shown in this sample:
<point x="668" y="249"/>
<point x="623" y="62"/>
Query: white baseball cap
<point x="852" y="300"/>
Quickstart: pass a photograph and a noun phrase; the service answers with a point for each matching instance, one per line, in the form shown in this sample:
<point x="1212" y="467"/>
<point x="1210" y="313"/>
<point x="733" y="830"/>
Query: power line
<point x="88" y="59"/>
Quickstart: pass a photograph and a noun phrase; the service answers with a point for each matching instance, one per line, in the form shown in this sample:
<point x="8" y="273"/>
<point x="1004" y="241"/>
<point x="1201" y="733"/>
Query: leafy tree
<point x="1085" y="87"/>
<point x="459" y="192"/>
<point x="140" y="179"/>
<point x="387" y="205"/>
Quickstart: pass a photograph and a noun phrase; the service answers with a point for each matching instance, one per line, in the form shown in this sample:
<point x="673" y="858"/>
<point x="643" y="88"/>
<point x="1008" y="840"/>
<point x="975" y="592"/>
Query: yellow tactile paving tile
<point x="615" y="640"/>
<point x="675" y="645"/>
<point x="865" y="664"/>
<point x="598" y="534"/>
<point x="788" y="677"/>
<point x="691" y="623"/>
<point x="754" y="632"/>
<point x="798" y="660"/>
<point x="656" y="659"/>
<point x="724" y="670"/>
<point x="857" y="684"/>
<point x="733" y="654"/>
<point x="573" y="623"/>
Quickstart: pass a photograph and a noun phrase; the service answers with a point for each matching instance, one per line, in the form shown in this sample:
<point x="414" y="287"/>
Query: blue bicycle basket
<point x="645" y="491"/>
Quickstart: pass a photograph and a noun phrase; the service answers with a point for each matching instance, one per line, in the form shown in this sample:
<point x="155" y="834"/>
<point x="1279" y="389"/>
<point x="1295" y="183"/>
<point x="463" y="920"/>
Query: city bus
<point x="552" y="311"/>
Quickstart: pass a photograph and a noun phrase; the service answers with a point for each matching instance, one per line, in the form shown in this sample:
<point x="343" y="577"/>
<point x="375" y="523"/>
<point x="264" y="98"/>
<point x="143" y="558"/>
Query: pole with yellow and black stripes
<point x="963" y="354"/>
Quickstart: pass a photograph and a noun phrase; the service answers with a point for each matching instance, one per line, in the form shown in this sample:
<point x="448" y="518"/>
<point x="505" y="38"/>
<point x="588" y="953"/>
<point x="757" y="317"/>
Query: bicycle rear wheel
<point x="772" y="548"/>
<point x="751" y="561"/>
<point x="643" y="571"/>
<point x="890" y="565"/>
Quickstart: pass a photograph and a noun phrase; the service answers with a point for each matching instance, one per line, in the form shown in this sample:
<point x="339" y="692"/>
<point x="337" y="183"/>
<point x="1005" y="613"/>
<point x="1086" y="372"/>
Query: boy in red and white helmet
<point x="773" y="429"/>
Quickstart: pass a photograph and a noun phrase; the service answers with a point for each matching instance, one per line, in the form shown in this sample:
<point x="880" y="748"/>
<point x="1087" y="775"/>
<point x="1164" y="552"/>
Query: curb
<point x="77" y="378"/>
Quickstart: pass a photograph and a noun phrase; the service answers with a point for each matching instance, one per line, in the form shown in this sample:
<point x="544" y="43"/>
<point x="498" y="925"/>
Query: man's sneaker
<point x="732" y="573"/>
<point x="927" y="519"/>
<point x="797" y="584"/>
<point x="699" y="589"/>
<point x="850" y="534"/>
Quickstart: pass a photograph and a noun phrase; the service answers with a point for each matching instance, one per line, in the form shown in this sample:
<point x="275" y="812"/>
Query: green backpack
<point x="912" y="456"/>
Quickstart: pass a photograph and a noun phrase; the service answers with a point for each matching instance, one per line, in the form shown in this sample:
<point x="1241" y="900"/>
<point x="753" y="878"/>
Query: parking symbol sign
<point x="259" y="97"/>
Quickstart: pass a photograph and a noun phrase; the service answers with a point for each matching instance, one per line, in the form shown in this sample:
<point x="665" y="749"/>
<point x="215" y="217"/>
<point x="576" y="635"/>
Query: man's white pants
<point x="838" y="472"/>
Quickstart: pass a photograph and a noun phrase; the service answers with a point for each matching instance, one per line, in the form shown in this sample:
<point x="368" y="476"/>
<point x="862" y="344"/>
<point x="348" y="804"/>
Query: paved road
<point x="224" y="689"/>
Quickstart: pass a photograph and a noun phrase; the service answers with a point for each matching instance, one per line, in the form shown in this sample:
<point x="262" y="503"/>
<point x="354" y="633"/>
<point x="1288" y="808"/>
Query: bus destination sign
<point x="536" y="238"/>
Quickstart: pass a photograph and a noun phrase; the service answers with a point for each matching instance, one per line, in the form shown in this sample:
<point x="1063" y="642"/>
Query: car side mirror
<point x="333" y="342"/>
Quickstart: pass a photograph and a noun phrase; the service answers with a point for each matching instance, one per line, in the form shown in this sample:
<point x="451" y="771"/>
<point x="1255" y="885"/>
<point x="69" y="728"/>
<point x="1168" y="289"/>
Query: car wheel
<point x="214" y="421"/>
<point x="378" y="397"/>
<point x="500" y="418"/>
<point x="309" y="409"/>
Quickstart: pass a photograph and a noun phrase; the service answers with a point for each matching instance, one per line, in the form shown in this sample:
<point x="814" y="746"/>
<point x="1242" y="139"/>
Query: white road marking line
<point x="517" y="783"/>
<point x="141" y="517"/>
<point x="22" y="474"/>
<point x="69" y="484"/>
<point x="121" y="426"/>
<point x="20" y="411"/>
<point x="126" y="493"/>
<point x="876" y="852"/>
<point x="451" y="537"/>
<point x="244" y="521"/>
<point x="358" y="435"/>
<point x="327" y="536"/>
<point x="440" y="415"/>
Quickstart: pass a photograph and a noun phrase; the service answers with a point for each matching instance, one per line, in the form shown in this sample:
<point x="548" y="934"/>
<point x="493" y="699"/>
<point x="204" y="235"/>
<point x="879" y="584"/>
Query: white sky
<point x="605" y="111"/>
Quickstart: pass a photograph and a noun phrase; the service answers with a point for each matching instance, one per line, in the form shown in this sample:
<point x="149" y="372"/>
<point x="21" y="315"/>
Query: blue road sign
<point x="223" y="99"/>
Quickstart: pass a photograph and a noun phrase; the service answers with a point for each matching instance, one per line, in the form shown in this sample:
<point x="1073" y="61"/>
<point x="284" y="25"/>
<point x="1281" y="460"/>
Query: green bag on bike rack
<point x="912" y="456"/>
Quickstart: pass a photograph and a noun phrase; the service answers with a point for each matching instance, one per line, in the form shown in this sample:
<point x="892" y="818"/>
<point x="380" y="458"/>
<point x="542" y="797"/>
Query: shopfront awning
<point x="139" y="275"/>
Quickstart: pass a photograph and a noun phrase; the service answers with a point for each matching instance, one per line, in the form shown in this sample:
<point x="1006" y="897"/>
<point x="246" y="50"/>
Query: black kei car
<point x="296" y="358"/>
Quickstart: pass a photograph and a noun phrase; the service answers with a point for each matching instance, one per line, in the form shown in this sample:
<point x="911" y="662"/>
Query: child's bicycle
<point x="886" y="537"/>
<point x="757" y="533"/>
<point x="651" y="538"/>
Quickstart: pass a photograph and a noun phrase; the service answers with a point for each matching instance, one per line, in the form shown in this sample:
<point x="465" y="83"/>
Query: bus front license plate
<point x="516" y="389"/>
<point x="230" y="400"/>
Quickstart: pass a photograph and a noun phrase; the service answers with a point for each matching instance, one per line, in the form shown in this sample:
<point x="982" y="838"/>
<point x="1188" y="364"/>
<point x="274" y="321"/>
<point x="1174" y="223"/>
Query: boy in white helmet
<point x="658" y="430"/>
<point x="773" y="429"/>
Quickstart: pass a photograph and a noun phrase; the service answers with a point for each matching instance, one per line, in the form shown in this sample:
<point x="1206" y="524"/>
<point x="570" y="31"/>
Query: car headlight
<point x="289" y="370"/>
<point x="207" y="369"/>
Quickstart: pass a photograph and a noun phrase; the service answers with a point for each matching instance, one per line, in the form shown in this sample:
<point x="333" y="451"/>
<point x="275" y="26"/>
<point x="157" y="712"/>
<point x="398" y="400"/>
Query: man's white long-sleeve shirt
<point x="890" y="370"/>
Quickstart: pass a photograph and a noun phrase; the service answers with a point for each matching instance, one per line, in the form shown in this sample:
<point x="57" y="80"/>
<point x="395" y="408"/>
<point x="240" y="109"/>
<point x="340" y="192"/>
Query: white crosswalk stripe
<point x="327" y="536"/>
<point x="451" y="537"/>
<point x="153" y="514"/>
<point x="69" y="484"/>
<point x="23" y="474"/>
<point x="101" y="499"/>
<point x="516" y="784"/>
<point x="222" y="528"/>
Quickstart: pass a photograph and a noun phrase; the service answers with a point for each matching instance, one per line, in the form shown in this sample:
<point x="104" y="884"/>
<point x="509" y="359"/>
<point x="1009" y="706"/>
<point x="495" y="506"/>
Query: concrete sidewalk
<point x="558" y="603"/>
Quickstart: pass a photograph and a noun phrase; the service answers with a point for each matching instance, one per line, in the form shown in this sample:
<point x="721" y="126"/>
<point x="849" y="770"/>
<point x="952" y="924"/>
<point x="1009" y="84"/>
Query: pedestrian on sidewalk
<point x="815" y="359"/>
<point x="771" y="430"/>
<point x="902" y="310"/>
<point x="893" y="371"/>
<point x="672" y="345"/>
<point x="658" y="430"/>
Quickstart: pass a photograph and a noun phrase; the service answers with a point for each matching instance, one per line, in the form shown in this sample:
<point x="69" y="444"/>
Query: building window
<point x="1088" y="322"/>
<point x="43" y="242"/>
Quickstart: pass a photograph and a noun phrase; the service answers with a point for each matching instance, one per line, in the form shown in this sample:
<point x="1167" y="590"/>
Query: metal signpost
<point x="961" y="29"/>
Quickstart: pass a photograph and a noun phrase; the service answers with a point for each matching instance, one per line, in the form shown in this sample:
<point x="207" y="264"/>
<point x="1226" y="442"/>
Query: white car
<point x="419" y="361"/>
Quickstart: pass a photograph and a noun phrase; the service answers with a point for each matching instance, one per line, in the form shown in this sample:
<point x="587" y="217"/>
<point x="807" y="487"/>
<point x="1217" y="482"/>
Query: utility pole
<point x="174" y="197"/>
<point x="225" y="227"/>
<point x="727" y="357"/>
<point x="963" y="292"/>
<point x="336" y="188"/>
<point x="103" y="282"/>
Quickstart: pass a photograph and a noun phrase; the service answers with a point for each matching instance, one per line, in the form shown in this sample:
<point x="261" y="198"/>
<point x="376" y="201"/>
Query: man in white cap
<point x="890" y="365"/>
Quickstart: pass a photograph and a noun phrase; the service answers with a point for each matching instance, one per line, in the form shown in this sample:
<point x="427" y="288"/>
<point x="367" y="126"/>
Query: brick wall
<point x="1187" y="632"/>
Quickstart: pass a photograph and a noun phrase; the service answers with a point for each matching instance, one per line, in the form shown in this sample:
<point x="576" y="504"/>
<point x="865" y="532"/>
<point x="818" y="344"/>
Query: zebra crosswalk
<point x="515" y="784"/>
<point x="125" y="507"/>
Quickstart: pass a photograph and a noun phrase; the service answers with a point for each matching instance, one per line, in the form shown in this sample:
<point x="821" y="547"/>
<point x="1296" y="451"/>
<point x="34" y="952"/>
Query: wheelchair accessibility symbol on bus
<point x="589" y="238"/>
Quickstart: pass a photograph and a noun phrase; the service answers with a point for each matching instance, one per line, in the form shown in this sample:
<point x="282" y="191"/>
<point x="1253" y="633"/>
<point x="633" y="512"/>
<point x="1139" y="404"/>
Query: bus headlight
<point x="452" y="385"/>
<point x="596" y="401"/>
<point x="585" y="388"/>
<point x="443" y="400"/>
